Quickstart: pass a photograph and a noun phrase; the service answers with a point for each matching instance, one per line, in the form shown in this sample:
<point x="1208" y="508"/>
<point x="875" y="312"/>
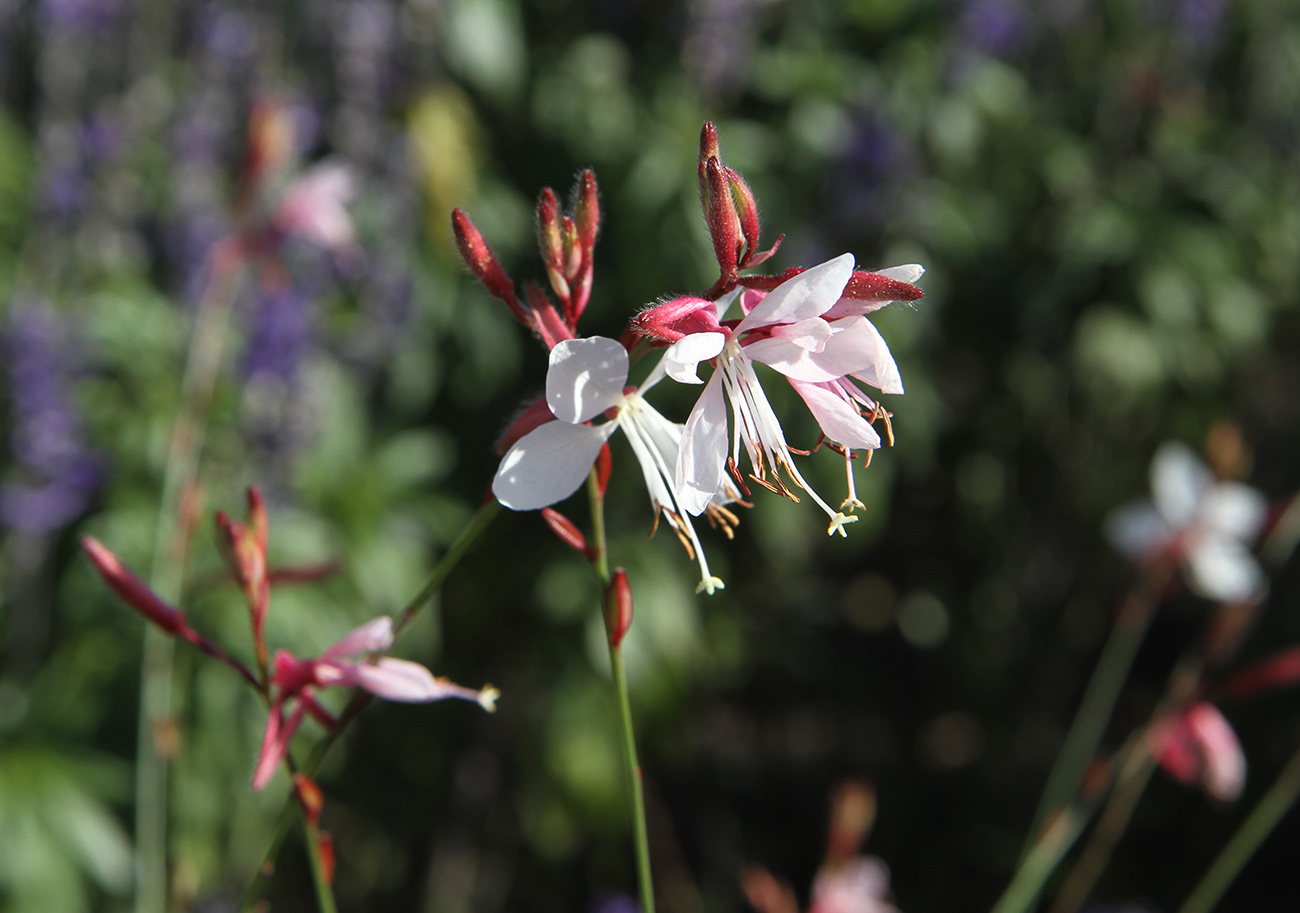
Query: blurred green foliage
<point x="1107" y="201"/>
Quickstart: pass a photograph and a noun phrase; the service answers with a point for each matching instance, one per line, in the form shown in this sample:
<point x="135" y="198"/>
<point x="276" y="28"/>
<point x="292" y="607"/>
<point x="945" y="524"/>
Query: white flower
<point x="786" y="330"/>
<point x="1205" y="524"/>
<point x="587" y="377"/>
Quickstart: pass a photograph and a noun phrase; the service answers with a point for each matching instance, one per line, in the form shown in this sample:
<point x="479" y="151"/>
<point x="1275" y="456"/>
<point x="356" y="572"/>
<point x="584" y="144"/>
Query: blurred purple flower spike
<point x="57" y="473"/>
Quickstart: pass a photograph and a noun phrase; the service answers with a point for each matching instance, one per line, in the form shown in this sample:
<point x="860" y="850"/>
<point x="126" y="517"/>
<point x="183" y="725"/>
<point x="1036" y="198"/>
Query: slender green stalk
<point x="167" y="575"/>
<point x="1103" y="691"/>
<point x="360" y="699"/>
<point x="1054" y="841"/>
<point x="631" y="767"/>
<point x="319" y="875"/>
<point x="1265" y="816"/>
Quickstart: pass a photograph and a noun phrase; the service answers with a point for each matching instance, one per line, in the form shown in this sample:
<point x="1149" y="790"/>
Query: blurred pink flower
<point x="1203" y="523"/>
<point x="1200" y="747"/>
<point x="314" y="207"/>
<point x="345" y="664"/>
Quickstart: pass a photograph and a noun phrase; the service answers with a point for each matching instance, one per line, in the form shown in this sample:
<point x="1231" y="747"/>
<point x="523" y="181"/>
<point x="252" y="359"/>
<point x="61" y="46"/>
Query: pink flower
<point x="787" y="330"/>
<point x="1200" y="747"/>
<point x="1203" y="523"/>
<point x="345" y="664"/>
<point x="314" y="207"/>
<point x="859" y="886"/>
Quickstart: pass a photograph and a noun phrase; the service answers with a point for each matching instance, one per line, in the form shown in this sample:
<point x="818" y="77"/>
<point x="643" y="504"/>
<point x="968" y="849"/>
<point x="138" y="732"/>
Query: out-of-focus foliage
<point x="1106" y="197"/>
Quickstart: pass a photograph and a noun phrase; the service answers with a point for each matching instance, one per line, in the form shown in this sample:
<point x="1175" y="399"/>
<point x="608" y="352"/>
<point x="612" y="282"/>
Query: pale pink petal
<point x="840" y="422"/>
<point x="682" y="360"/>
<point x="1200" y="746"/>
<point x="371" y="637"/>
<point x="402" y="680"/>
<point x="548" y="464"/>
<point x="1235" y="510"/>
<point x="701" y="462"/>
<point x="858" y="887"/>
<point x="1178" y="483"/>
<point x="313" y="207"/>
<point x="1223" y="569"/>
<point x="811" y="333"/>
<point x="809" y="294"/>
<point x="585" y="378"/>
<point x="1138" y="530"/>
<point x="275" y="743"/>
<point x="854" y="348"/>
<point x="882" y="371"/>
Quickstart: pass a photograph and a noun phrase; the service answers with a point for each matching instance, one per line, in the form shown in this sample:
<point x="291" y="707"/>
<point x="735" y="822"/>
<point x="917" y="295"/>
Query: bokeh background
<point x="1107" y="200"/>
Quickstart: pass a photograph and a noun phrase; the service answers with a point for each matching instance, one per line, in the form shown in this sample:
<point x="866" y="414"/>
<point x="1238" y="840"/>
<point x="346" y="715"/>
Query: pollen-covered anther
<point x="735" y="474"/>
<point x="721" y="518"/>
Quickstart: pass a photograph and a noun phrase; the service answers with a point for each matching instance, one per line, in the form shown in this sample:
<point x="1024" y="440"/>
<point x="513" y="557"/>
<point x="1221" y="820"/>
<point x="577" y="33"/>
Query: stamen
<point x="735" y="472"/>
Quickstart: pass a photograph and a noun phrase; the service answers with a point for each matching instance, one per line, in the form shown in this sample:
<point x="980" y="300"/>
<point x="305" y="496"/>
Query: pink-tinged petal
<point x="586" y="377"/>
<point x="1138" y="531"/>
<point x="548" y="464"/>
<point x="401" y="680"/>
<point x="1235" y="510"/>
<point x="372" y="637"/>
<point x="838" y="419"/>
<point x="682" y="360"/>
<point x="858" y="887"/>
<point x="1223" y="569"/>
<point x="882" y="371"/>
<point x="313" y="208"/>
<point x="1200" y="747"/>
<point x="275" y="743"/>
<point x="809" y="294"/>
<point x="1179" y="482"/>
<point x="701" y="461"/>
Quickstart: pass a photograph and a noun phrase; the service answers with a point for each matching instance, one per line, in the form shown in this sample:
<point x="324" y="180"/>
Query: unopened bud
<point x="132" y="589"/>
<point x="325" y="846"/>
<point x="310" y="795"/>
<point x="708" y="150"/>
<point x="550" y="242"/>
<point x="618" y="607"/>
<point x="747" y="213"/>
<point x="683" y="316"/>
<point x="257" y="522"/>
<point x="865" y="286"/>
<point x="604" y="468"/>
<point x="567" y="532"/>
<point x="480" y="259"/>
<point x="587" y="212"/>
<point x="720" y="213"/>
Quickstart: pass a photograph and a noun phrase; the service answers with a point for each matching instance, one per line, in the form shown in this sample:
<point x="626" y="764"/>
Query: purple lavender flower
<point x="55" y="474"/>
<point x="876" y="160"/>
<point x="996" y="27"/>
<point x="1200" y="23"/>
<point x="279" y="332"/>
<point x="719" y="43"/>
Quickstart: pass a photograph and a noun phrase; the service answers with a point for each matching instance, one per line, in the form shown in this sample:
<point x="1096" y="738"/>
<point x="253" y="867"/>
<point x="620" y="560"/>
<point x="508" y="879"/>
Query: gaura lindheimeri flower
<point x="347" y="664"/>
<point x="786" y="329"/>
<point x="1205" y="524"/>
<point x="1199" y="747"/>
<point x="588" y="377"/>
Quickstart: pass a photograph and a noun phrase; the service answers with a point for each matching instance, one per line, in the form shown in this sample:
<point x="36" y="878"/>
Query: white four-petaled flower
<point x="1204" y="523"/>
<point x="587" y="378"/>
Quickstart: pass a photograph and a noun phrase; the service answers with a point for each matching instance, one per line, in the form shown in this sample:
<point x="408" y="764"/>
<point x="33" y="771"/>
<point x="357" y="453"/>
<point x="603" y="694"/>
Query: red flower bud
<point x="132" y="589"/>
<point x="565" y="529"/>
<point x="309" y="794"/>
<point x="1281" y="670"/>
<point x="604" y="468"/>
<point x="866" y="286"/>
<point x="482" y="262"/>
<point x="720" y="213"/>
<point x="708" y="150"/>
<point x="325" y="844"/>
<point x="587" y="213"/>
<point x="618" y="607"/>
<point x="670" y="321"/>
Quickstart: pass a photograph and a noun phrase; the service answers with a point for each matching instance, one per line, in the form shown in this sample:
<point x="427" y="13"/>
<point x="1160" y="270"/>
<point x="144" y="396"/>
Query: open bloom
<point x="588" y="377"/>
<point x="1203" y="523"/>
<point x="787" y="330"/>
<point x="346" y="664"/>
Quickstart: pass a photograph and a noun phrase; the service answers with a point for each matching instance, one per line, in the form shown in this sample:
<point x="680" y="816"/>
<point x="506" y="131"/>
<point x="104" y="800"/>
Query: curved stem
<point x="360" y="699"/>
<point x="1272" y="808"/>
<point x="631" y="767"/>
<point x="171" y="544"/>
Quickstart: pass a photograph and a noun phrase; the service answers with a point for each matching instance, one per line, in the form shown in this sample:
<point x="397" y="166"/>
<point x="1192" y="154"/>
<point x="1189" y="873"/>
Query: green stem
<point x="1099" y="699"/>
<point x="360" y="699"/>
<point x="1265" y="816"/>
<point x="631" y="767"/>
<point x="202" y="365"/>
<point x="320" y="878"/>
<point x="1054" y="841"/>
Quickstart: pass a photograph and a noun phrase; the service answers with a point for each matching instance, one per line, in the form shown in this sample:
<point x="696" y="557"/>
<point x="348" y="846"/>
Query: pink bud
<point x="550" y="243"/>
<point x="720" y="213"/>
<point x="482" y="262"/>
<point x="618" y="607"/>
<point x="708" y="150"/>
<point x="567" y="532"/>
<point x="587" y="214"/>
<point x="866" y="286"/>
<point x="683" y="316"/>
<point x="257" y="521"/>
<point x="748" y="215"/>
<point x="132" y="589"/>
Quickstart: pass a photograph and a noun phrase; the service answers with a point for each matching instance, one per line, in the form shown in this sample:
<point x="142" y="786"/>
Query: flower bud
<point x="720" y="213"/>
<point x="309" y="794"/>
<point x="618" y="607"/>
<point x="604" y="468"/>
<point x="708" y="150"/>
<point x="132" y="589"/>
<point x="550" y="243"/>
<point x="865" y="286"/>
<point x="1281" y="670"/>
<point x="567" y="532"/>
<point x="587" y="212"/>
<point x="683" y="316"/>
<point x="482" y="262"/>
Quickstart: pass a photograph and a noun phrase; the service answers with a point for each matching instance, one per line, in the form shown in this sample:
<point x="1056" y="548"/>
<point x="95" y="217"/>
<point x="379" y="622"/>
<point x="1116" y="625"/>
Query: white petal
<point x="882" y="371"/>
<point x="908" y="272"/>
<point x="586" y="377"/>
<point x="809" y="294"/>
<point x="1222" y="569"/>
<point x="1235" y="510"/>
<point x="701" y="462"/>
<point x="1178" y="483"/>
<point x="812" y="333"/>
<point x="683" y="357"/>
<point x="1137" y="530"/>
<point x="371" y="637"/>
<point x="837" y="418"/>
<point x="1224" y="775"/>
<point x="548" y="464"/>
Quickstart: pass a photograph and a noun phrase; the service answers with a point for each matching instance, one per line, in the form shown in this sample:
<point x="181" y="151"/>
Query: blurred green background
<point x="1107" y="200"/>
